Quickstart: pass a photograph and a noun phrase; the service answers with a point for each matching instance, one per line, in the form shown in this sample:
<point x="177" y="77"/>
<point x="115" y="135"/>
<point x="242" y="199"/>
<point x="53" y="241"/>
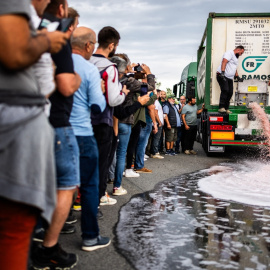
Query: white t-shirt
<point x="231" y="65"/>
<point x="158" y="107"/>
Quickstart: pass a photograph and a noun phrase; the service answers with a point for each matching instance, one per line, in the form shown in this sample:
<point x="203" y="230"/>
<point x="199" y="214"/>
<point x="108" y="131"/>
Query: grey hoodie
<point x="113" y="89"/>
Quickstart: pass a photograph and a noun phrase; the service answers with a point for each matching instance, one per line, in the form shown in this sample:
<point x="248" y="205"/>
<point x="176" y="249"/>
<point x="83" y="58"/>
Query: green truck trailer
<point x="223" y="32"/>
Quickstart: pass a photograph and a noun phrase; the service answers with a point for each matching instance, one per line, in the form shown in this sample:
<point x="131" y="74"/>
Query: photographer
<point x="124" y="113"/>
<point x="142" y="120"/>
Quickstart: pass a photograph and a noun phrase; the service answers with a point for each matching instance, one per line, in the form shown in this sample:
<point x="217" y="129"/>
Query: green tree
<point x="169" y="91"/>
<point x="158" y="84"/>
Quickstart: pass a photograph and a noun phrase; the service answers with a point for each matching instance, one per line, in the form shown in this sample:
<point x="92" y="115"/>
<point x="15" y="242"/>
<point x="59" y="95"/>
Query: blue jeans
<point x="66" y="158"/>
<point x="89" y="186"/>
<point x="155" y="141"/>
<point x="123" y="136"/>
<point x="142" y="143"/>
<point x="111" y="174"/>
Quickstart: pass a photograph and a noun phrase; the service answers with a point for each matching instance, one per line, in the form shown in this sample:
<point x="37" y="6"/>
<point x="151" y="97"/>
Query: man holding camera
<point x="226" y="72"/>
<point x="137" y="139"/>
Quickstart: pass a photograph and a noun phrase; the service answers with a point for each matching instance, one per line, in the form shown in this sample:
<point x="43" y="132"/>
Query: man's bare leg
<point x="64" y="201"/>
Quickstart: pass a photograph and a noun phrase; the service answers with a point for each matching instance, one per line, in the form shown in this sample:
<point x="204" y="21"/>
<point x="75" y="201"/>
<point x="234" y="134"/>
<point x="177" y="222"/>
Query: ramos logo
<point x="252" y="63"/>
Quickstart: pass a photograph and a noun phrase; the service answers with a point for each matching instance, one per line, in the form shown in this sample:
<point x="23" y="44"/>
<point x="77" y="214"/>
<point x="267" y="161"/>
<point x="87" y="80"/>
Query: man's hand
<point x="187" y="127"/>
<point x="222" y="76"/>
<point x="146" y="69"/>
<point x="155" y="129"/>
<point x="169" y="126"/>
<point x="125" y="90"/>
<point x="155" y="91"/>
<point x="143" y="99"/>
<point x="238" y="79"/>
<point x="159" y="124"/>
<point x="56" y="40"/>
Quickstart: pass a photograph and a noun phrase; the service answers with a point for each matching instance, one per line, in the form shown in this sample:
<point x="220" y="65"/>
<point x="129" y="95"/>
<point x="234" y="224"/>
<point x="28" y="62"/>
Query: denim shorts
<point x="66" y="158"/>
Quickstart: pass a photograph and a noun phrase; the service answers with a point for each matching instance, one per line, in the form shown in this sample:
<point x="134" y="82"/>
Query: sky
<point x="164" y="35"/>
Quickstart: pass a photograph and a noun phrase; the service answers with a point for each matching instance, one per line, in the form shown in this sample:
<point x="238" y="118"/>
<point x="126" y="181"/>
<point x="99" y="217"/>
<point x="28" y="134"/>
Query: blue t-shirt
<point x="147" y="115"/>
<point x="87" y="95"/>
<point x="166" y="111"/>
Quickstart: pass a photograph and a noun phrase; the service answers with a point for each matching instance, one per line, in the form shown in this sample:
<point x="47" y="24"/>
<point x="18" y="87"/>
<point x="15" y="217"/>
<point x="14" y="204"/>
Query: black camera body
<point x="138" y="68"/>
<point x="139" y="74"/>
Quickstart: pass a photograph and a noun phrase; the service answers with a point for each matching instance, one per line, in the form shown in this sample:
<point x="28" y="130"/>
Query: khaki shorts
<point x="171" y="134"/>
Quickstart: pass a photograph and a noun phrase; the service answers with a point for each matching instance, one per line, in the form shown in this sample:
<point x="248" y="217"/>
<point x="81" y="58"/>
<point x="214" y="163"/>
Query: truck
<point x="187" y="83"/>
<point x="223" y="32"/>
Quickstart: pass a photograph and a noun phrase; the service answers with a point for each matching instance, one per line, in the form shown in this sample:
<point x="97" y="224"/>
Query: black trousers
<point x="107" y="143"/>
<point x="133" y="141"/>
<point x="226" y="87"/>
<point x="189" y="137"/>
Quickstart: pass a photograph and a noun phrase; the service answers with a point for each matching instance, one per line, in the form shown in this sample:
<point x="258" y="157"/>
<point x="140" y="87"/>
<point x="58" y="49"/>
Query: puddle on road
<point x="178" y="226"/>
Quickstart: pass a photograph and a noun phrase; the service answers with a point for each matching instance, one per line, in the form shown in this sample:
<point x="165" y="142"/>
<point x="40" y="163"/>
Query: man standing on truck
<point x="226" y="72"/>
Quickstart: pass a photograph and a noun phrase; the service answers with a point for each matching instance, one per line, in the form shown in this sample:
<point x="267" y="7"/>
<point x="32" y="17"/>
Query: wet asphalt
<point x="170" y="166"/>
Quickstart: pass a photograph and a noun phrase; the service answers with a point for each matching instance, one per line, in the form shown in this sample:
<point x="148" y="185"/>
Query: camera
<point x="139" y="74"/>
<point x="138" y="68"/>
<point x="124" y="80"/>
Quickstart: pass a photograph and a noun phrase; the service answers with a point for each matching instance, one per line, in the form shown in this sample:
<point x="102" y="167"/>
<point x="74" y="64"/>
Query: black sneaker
<point x="39" y="235"/>
<point x="67" y="228"/>
<point x="55" y="258"/>
<point x="71" y="218"/>
<point x="110" y="181"/>
<point x="96" y="243"/>
<point x="168" y="152"/>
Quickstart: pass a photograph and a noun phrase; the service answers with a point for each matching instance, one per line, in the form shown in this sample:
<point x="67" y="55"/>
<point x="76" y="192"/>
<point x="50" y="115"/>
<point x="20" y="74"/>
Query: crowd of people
<point x="73" y="120"/>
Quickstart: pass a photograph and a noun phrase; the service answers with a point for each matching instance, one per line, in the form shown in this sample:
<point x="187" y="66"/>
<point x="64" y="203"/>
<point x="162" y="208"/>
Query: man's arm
<point x="150" y="78"/>
<point x="151" y="109"/>
<point x="68" y="83"/>
<point x="152" y="100"/>
<point x="166" y="119"/>
<point x="18" y="49"/>
<point x="200" y="110"/>
<point x="157" y="118"/>
<point x="115" y="95"/>
<point x="184" y="121"/>
<point x="223" y="64"/>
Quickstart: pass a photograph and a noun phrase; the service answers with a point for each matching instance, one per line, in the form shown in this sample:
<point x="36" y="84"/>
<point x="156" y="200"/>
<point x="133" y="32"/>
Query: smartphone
<point x="53" y="23"/>
<point x="144" y="89"/>
<point x="65" y="24"/>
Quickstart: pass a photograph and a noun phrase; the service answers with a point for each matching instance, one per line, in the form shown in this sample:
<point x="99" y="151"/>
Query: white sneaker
<point x="222" y="110"/>
<point x="131" y="173"/>
<point x="192" y="152"/>
<point x="107" y="200"/>
<point x="158" y="156"/>
<point x="144" y="159"/>
<point x="146" y="156"/>
<point x="119" y="191"/>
